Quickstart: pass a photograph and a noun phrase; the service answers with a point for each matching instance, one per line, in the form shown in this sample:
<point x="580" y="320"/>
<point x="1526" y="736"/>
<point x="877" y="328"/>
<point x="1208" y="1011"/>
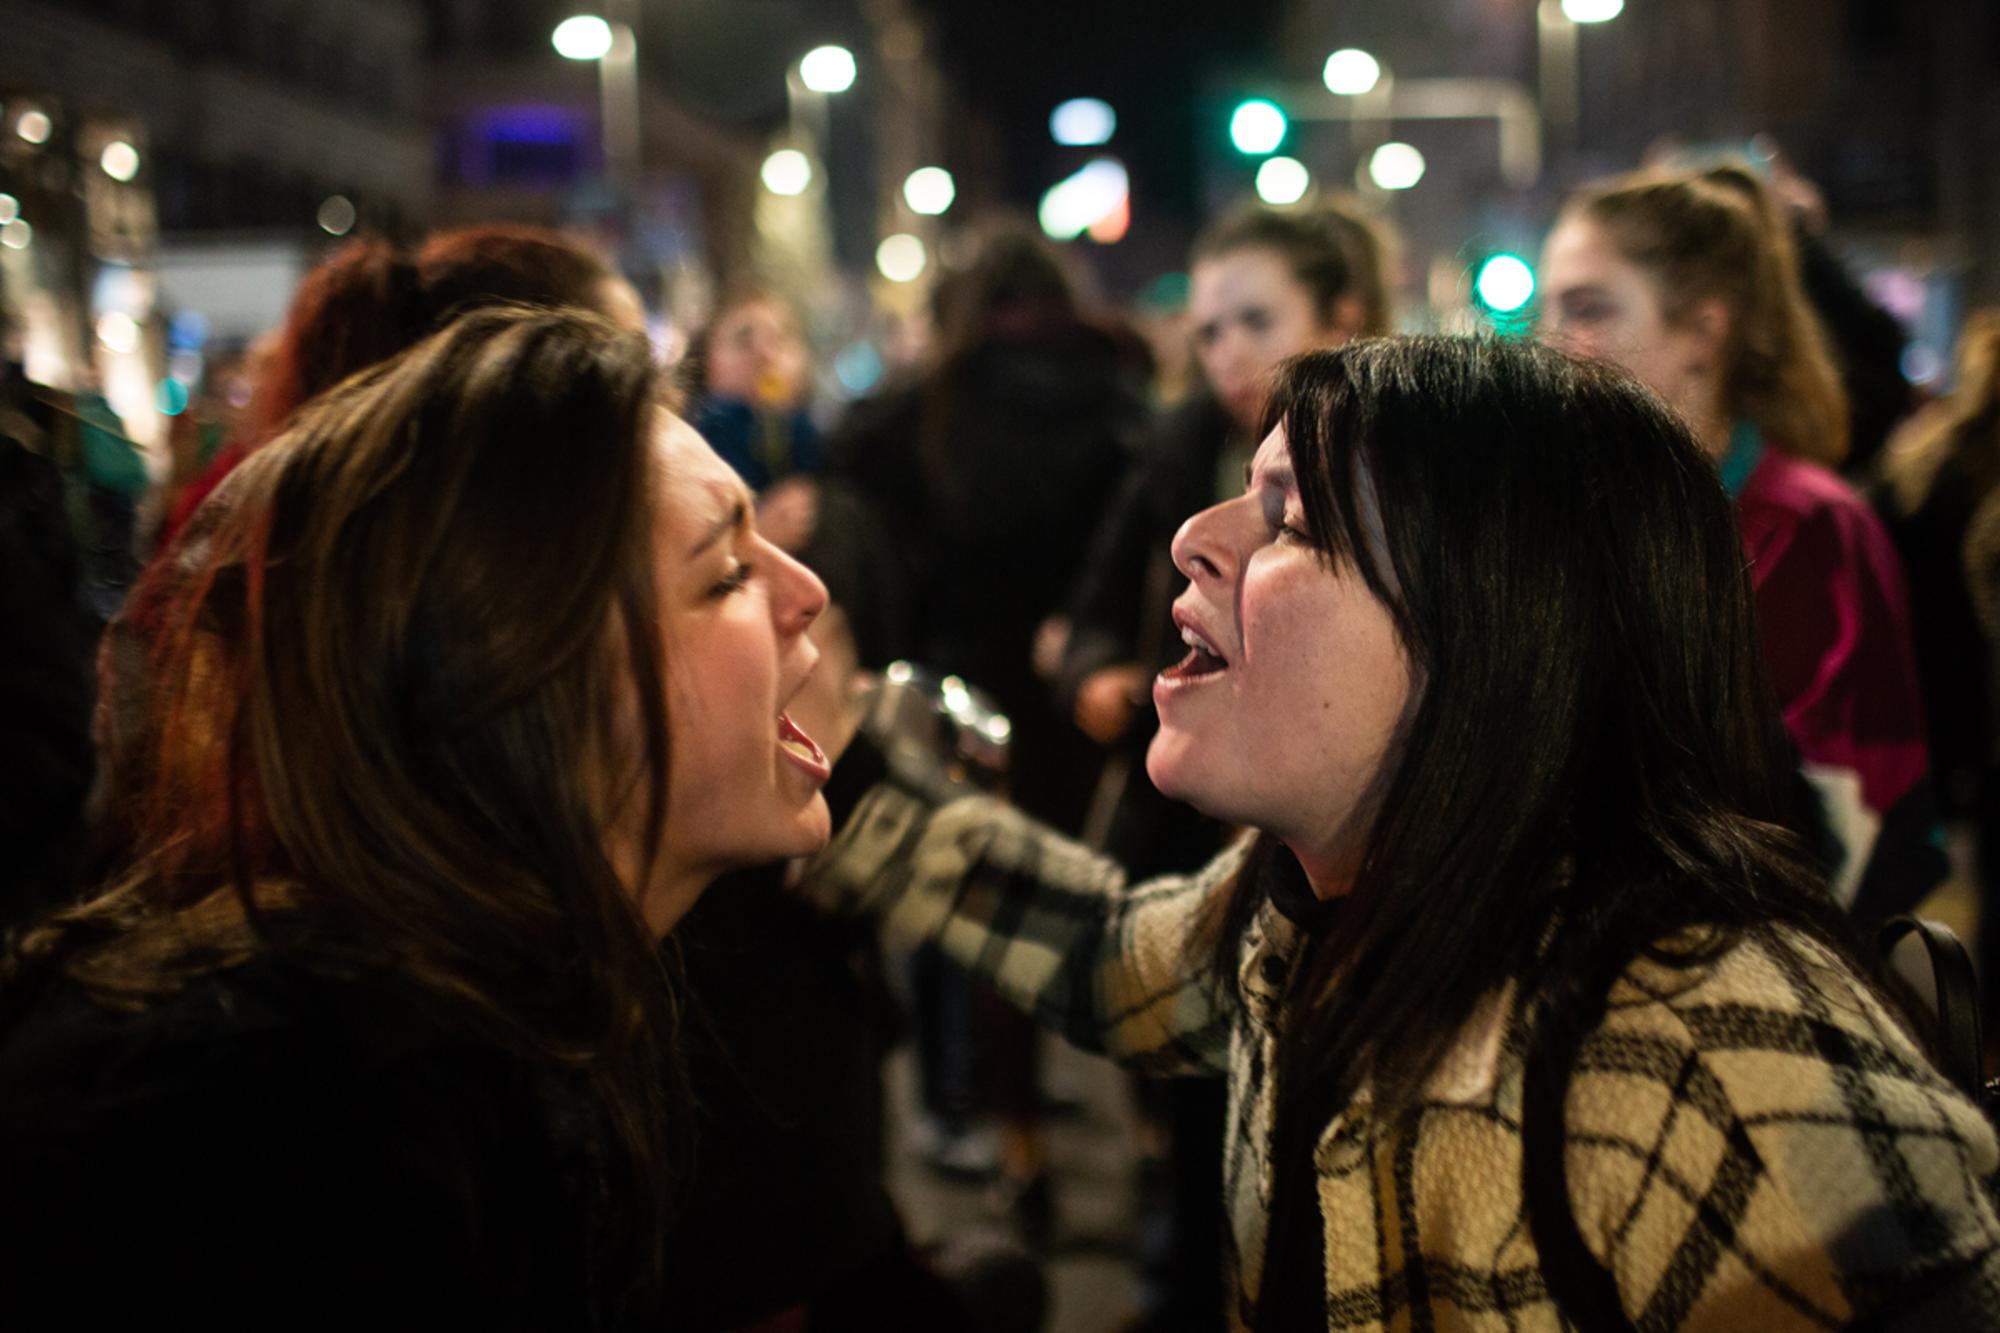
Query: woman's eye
<point x="735" y="580"/>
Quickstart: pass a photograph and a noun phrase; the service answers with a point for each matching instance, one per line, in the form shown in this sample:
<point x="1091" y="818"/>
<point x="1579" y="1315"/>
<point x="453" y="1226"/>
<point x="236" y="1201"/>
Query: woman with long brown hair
<point x="371" y="298"/>
<point x="463" y="688"/>
<point x="1689" y="281"/>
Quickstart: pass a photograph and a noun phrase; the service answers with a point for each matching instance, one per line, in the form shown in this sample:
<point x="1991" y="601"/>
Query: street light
<point x="1556" y="57"/>
<point x="615" y="48"/>
<point x="827" y="69"/>
<point x="901" y="258"/>
<point x="582" y="37"/>
<point x="120" y="160"/>
<point x="787" y="171"/>
<point x="1351" y="72"/>
<point x="1082" y="122"/>
<point x="929" y="191"/>
<point x="1282" y="181"/>
<point x="1396" y="166"/>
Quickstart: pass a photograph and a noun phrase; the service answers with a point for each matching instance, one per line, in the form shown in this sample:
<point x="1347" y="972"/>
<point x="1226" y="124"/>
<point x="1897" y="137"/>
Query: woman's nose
<point x="1201" y="548"/>
<point x="798" y="596"/>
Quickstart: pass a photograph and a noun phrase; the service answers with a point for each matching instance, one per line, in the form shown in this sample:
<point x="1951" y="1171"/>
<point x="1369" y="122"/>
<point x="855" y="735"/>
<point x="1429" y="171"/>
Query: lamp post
<point x="1556" y="23"/>
<point x="612" y="41"/>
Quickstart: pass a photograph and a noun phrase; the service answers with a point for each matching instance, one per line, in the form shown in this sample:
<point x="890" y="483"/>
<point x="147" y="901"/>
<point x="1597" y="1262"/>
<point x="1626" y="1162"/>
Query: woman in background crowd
<point x="469" y="684"/>
<point x="1939" y="472"/>
<point x="988" y="473"/>
<point x="1690" y="284"/>
<point x="372" y="299"/>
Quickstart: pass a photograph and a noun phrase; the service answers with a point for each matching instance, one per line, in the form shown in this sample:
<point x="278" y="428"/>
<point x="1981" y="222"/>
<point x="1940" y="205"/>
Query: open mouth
<point x="1202" y="659"/>
<point x="801" y="749"/>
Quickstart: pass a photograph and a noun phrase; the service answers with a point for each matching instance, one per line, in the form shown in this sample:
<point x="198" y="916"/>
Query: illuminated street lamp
<point x="615" y="48"/>
<point x="1351" y="72"/>
<point x="787" y="171"/>
<point x="1282" y="181"/>
<point x="827" y="69"/>
<point x="120" y="160"/>
<point x="583" y="37"/>
<point x="929" y="191"/>
<point x="1396" y="166"/>
<point x="901" y="258"/>
<point x="1082" y="122"/>
<point x="1556" y="58"/>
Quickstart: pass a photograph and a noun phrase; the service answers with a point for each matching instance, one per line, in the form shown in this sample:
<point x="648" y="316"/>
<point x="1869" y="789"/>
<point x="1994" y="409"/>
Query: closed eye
<point x="735" y="580"/>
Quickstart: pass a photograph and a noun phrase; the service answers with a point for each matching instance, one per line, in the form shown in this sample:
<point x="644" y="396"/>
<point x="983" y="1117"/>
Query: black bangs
<point x="1329" y="422"/>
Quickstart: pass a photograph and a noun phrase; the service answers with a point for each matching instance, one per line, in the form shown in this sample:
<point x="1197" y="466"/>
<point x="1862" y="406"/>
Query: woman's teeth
<point x="1202" y="659"/>
<point x="797" y="742"/>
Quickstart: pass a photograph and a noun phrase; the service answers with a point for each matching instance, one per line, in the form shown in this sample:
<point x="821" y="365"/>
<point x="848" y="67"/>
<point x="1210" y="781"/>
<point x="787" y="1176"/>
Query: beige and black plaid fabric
<point x="1757" y="1147"/>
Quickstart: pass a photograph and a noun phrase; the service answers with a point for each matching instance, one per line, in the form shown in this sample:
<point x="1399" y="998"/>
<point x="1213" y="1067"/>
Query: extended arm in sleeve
<point x="1048" y="923"/>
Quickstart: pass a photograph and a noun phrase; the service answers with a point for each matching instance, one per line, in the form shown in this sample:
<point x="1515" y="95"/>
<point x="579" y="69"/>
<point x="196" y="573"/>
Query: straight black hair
<point x="1595" y="768"/>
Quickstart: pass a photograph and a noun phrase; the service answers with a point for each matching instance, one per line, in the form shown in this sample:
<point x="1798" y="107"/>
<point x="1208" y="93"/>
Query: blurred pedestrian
<point x="1684" y="282"/>
<point x="371" y="299"/>
<point x="749" y="379"/>
<point x="1936" y="474"/>
<point x="989" y="472"/>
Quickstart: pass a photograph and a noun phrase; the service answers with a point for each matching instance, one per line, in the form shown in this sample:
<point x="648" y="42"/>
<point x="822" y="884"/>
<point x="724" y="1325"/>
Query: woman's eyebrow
<point x="737" y="514"/>
<point x="1278" y="474"/>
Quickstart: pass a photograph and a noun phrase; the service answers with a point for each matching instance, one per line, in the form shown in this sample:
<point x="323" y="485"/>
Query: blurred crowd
<point x="1002" y="513"/>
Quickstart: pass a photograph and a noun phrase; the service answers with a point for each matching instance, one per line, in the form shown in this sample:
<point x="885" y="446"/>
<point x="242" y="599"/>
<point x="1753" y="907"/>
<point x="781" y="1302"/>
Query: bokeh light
<point x="787" y="172"/>
<point x="901" y="258"/>
<point x="1396" y="166"/>
<point x="827" y="69"/>
<point x="930" y="190"/>
<point x="582" y="37"/>
<point x="1283" y="180"/>
<point x="1350" y="72"/>
<point x="1083" y="121"/>
<point x="1257" y="127"/>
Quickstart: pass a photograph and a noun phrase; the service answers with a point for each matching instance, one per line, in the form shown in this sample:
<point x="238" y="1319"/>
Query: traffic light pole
<point x="1499" y="100"/>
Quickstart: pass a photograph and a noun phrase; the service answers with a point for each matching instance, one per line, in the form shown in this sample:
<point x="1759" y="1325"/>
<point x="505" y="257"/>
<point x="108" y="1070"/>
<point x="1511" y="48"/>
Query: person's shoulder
<point x="1771" y="1082"/>
<point x="1785" y="483"/>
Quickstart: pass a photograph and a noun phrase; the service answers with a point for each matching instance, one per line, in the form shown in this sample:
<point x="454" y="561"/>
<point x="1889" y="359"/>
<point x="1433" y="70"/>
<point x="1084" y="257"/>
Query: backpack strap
<point x="1960" y="1052"/>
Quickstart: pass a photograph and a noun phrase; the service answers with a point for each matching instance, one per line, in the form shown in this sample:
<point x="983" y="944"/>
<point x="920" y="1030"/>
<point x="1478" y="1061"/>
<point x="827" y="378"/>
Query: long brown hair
<point x="383" y="666"/>
<point x="1704" y="236"/>
<point x="1963" y="428"/>
<point x="1335" y="251"/>
<point x="370" y="299"/>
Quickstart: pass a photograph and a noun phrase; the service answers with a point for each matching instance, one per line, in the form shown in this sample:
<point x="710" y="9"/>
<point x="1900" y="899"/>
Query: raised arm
<point x="1050" y="924"/>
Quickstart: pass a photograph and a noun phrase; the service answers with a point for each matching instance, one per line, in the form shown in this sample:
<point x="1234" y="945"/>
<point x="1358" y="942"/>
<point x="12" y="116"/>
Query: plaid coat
<point x="1762" y="1149"/>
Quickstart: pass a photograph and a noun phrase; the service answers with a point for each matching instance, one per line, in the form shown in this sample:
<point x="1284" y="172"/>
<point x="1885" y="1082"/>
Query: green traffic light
<point x="1257" y="127"/>
<point x="1504" y="284"/>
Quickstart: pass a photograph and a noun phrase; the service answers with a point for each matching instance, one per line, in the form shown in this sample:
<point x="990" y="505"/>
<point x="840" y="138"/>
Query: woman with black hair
<point x="1532" y="1005"/>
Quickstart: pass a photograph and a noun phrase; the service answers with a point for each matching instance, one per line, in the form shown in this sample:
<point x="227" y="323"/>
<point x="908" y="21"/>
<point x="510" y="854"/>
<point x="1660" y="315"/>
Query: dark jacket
<point x="272" y="1148"/>
<point x="992" y="472"/>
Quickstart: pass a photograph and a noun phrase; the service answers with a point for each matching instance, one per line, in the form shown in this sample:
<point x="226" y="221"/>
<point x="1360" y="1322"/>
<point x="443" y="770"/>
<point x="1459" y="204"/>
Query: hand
<point x="1107" y="701"/>
<point x="1051" y="639"/>
<point x="788" y="513"/>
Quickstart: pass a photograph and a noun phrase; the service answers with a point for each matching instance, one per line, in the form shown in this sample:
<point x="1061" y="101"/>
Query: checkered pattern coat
<point x="1761" y="1149"/>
